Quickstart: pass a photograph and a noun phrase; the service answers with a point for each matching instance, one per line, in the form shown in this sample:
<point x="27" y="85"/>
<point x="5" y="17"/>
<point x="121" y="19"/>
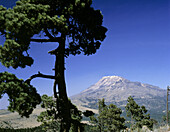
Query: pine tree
<point x="138" y="114"/>
<point x="55" y="20"/>
<point x="132" y="109"/>
<point x="102" y="108"/>
<point x="109" y="119"/>
<point x="51" y="119"/>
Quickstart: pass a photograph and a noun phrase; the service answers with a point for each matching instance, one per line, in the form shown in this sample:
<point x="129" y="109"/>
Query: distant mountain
<point x="116" y="90"/>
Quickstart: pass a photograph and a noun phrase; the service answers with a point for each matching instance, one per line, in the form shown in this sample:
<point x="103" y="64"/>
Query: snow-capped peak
<point x="108" y="80"/>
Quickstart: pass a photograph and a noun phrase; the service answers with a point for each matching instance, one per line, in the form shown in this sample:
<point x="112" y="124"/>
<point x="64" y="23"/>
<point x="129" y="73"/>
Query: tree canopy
<point x="23" y="98"/>
<point x="76" y="19"/>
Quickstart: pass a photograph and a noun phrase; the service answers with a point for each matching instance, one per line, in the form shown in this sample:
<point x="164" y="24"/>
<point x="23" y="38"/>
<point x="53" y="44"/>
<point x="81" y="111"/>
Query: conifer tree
<point x="55" y="20"/>
<point x="138" y="114"/>
<point x="109" y="119"/>
<point x="51" y="119"/>
<point x="102" y="108"/>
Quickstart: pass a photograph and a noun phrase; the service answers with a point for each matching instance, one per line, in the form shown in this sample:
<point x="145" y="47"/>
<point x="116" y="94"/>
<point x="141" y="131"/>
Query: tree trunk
<point x="64" y="103"/>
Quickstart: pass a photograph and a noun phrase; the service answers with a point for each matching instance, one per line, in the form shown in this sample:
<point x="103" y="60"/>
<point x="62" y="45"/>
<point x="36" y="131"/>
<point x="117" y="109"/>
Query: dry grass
<point x="15" y="121"/>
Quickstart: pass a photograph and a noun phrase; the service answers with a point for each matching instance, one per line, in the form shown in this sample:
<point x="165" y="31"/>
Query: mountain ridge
<point x="110" y="86"/>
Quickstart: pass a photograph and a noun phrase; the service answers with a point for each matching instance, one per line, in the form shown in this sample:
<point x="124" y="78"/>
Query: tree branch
<point x="48" y="34"/>
<point x="46" y="40"/>
<point x="39" y="75"/>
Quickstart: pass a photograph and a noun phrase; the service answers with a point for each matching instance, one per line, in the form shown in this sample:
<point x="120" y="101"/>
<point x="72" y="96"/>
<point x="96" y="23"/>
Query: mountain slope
<point x="118" y="89"/>
<point x="115" y="89"/>
<point x="14" y="120"/>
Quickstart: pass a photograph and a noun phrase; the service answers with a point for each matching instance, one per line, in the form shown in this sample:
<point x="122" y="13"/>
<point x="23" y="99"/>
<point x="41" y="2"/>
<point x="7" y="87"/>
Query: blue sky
<point x="136" y="48"/>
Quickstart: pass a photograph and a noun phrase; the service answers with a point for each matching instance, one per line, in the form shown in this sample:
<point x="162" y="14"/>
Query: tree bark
<point x="64" y="103"/>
